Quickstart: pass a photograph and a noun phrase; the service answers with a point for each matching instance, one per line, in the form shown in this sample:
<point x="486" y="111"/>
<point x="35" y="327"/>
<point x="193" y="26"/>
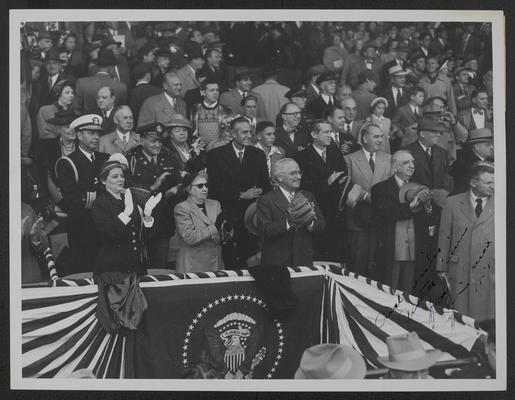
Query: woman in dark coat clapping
<point x="122" y="226"/>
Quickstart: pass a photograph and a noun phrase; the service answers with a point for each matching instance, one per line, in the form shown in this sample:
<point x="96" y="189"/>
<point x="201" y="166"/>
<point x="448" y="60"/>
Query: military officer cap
<point x="91" y="122"/>
<point x="154" y="129"/>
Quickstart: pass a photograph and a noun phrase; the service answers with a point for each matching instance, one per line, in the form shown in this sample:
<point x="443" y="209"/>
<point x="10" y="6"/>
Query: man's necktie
<point x="240" y="156"/>
<point x="50" y="83"/>
<point x="477" y="111"/>
<point x="92" y="157"/>
<point x="324" y="156"/>
<point x="372" y="163"/>
<point x="348" y="130"/>
<point x="428" y="153"/>
<point x="330" y="102"/>
<point x="479" y="207"/>
<point x="398" y="97"/>
<point x="416" y="110"/>
<point x="292" y="196"/>
<point x="244" y="95"/>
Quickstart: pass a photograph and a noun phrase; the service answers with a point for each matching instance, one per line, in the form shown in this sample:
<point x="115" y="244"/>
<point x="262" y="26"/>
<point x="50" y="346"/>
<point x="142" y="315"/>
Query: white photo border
<point x="499" y="80"/>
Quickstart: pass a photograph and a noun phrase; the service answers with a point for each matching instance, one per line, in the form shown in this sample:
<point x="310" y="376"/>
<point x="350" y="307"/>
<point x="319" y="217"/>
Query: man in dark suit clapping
<point x="238" y="174"/>
<point x="287" y="219"/>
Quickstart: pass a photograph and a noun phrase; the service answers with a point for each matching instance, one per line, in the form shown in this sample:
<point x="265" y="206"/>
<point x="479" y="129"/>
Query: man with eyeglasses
<point x="289" y="136"/>
<point x="288" y="219"/>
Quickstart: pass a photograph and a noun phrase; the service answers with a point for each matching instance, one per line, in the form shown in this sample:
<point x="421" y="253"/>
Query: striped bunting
<point x="60" y="332"/>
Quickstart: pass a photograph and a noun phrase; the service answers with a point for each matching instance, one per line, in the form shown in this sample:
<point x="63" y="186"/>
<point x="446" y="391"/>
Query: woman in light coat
<point x="198" y="221"/>
<point x="377" y="108"/>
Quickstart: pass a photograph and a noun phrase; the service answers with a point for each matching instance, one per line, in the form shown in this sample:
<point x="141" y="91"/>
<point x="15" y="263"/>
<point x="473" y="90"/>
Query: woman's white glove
<point x="129" y="206"/>
<point x="151" y="204"/>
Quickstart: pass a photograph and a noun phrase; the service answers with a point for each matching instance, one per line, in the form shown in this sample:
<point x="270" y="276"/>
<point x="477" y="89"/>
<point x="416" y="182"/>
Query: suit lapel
<point x="198" y="212"/>
<point x="488" y="211"/>
<point x="281" y="202"/>
<point x="466" y="207"/>
<point x="364" y="166"/>
<point x="379" y="168"/>
<point x="167" y="107"/>
<point x="417" y="149"/>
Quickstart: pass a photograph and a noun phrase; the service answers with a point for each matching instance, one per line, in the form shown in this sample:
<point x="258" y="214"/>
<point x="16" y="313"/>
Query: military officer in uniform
<point x="77" y="178"/>
<point x="154" y="169"/>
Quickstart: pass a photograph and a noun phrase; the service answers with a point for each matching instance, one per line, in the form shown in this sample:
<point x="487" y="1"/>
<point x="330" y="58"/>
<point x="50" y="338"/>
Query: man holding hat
<point x="154" y="170"/>
<point x="327" y="83"/>
<point x="396" y="93"/>
<point x="479" y="147"/>
<point x="243" y="85"/>
<point x="77" y="177"/>
<point x="407" y="358"/>
<point x="187" y="73"/>
<point x="396" y="235"/>
<point x="87" y="88"/>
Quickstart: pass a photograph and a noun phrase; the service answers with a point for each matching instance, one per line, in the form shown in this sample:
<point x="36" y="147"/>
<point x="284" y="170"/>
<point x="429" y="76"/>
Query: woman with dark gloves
<point x="123" y="227"/>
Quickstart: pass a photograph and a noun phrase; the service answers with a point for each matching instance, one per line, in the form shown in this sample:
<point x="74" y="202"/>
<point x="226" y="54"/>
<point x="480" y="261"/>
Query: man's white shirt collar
<point x="286" y="194"/>
<point x="238" y="151"/>
<point x="170" y="99"/>
<point x="88" y="155"/>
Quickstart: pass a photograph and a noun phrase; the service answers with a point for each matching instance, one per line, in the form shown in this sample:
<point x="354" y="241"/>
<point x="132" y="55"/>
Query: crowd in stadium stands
<point x="199" y="146"/>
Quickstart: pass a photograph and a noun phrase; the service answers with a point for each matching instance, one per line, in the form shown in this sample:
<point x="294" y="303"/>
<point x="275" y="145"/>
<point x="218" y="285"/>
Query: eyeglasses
<point x="297" y="114"/>
<point x="295" y="173"/>
<point x="201" y="185"/>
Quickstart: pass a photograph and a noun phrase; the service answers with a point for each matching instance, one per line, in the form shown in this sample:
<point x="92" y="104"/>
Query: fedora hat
<point x="428" y="122"/>
<point x="408" y="191"/>
<point x="250" y="219"/>
<point x="480" y="135"/>
<point x="397" y="70"/>
<point x="331" y="361"/>
<point x="407" y="353"/>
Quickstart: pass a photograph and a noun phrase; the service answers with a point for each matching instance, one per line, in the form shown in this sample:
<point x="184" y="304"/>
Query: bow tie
<point x="478" y="112"/>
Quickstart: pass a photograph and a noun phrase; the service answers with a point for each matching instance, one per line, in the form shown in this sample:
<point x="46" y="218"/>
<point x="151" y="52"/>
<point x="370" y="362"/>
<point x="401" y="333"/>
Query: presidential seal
<point x="237" y="335"/>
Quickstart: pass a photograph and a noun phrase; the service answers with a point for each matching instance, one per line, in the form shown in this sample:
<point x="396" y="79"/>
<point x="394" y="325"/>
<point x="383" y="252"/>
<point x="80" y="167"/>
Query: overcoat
<point x="466" y="245"/>
<point x="199" y="240"/>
